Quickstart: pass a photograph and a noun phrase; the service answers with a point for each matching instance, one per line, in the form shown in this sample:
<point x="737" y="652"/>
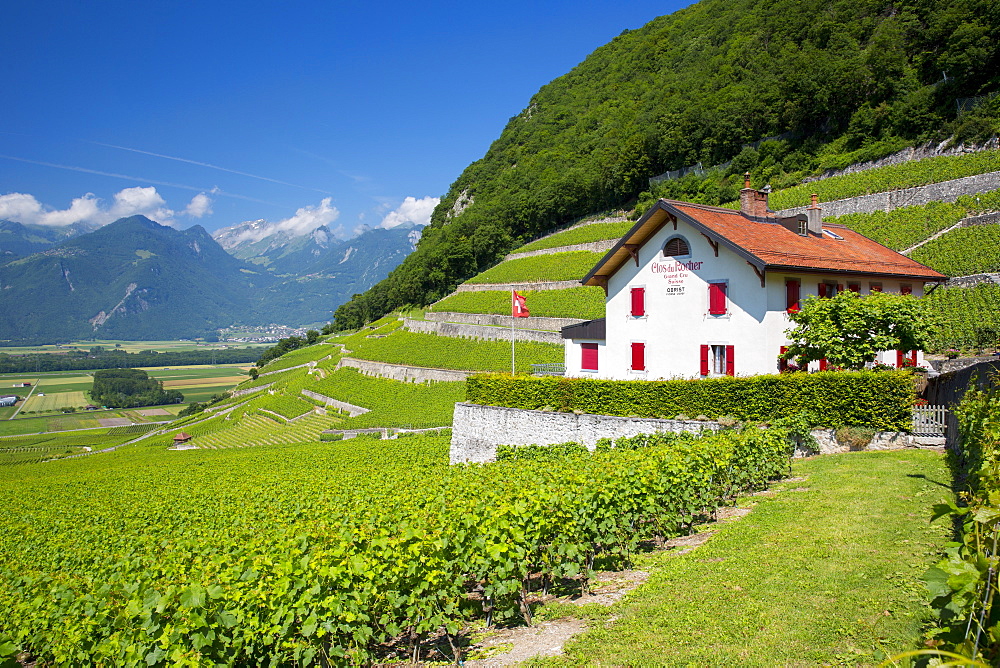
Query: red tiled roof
<point x="768" y="245"/>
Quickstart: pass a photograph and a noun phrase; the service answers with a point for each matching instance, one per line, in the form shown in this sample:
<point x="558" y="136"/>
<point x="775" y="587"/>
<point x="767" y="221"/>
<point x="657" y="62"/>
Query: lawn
<point x="825" y="572"/>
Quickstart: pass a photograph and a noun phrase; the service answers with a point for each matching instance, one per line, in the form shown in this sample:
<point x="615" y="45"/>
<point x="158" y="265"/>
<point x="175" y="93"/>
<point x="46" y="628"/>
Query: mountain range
<point x="139" y="280"/>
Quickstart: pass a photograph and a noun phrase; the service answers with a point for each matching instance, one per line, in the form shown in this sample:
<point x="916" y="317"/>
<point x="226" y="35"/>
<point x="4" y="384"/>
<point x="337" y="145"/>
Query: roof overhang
<point x="589" y="329"/>
<point x="660" y="214"/>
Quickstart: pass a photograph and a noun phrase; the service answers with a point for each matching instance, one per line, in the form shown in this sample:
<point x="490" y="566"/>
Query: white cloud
<point x="308" y="218"/>
<point x="24" y="208"/>
<point x="305" y="220"/>
<point x="200" y="205"/>
<point x="412" y="210"/>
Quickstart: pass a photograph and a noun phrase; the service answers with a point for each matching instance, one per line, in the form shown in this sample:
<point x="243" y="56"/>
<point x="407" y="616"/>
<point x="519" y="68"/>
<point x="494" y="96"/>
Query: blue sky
<point x="300" y="113"/>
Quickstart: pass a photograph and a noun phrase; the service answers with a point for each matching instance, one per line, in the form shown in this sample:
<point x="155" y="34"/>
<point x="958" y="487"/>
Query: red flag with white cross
<point x="518" y="305"/>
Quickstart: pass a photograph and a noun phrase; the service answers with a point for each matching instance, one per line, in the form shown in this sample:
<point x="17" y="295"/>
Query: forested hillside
<point x="828" y="83"/>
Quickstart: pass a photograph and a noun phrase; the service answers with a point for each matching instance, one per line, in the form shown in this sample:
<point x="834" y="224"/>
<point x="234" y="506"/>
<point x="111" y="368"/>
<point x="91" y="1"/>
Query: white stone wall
<point x="478" y="430"/>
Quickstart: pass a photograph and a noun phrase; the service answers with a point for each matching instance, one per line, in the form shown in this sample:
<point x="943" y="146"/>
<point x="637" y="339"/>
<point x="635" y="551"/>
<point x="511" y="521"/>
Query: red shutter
<point x="913" y="357"/>
<point x="840" y="288"/>
<point x="906" y="289"/>
<point x="854" y="287"/>
<point x="821" y="288"/>
<point x="899" y="359"/>
<point x="638" y="357"/>
<point x="588" y="360"/>
<point x="822" y="364"/>
<point x="717" y="298"/>
<point x="638" y="301"/>
<point x="875" y="288"/>
<point x="792" y="296"/>
<point x="704" y="360"/>
<point x="782" y="362"/>
<point x="730" y="361"/>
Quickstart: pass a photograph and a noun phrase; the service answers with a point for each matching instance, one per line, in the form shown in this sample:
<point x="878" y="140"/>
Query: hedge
<point x="882" y="400"/>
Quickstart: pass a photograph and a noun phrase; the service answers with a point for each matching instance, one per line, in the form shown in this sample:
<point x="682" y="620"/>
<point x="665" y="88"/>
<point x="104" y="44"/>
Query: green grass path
<point x="804" y="580"/>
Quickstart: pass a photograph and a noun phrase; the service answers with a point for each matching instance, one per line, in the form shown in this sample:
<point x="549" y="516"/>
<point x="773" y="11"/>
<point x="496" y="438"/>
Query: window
<point x="638" y="356"/>
<point x="874" y="287"/>
<point x="792" y="295"/>
<point x="782" y="362"/>
<point x="638" y="302"/>
<point x="588" y="356"/>
<point x="718" y="360"/>
<point x="854" y="287"/>
<point x="906" y="289"/>
<point x="676" y="247"/>
<point x="717" y="298"/>
<point x="827" y="290"/>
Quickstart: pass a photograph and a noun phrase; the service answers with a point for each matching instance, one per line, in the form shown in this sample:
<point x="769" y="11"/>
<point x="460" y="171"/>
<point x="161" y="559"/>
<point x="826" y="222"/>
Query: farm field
<point x="35" y="448"/>
<point x="128" y="346"/>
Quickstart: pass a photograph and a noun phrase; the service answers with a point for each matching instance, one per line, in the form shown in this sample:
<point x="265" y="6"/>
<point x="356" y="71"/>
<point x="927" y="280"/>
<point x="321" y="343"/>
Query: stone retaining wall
<point x="350" y="409"/>
<point x="598" y="246"/>
<point x="531" y="322"/>
<point x="486" y="332"/>
<point x="972" y="281"/>
<point x="545" y="285"/>
<point x="415" y="374"/>
<point x="945" y="191"/>
<point x="249" y="390"/>
<point x="478" y="430"/>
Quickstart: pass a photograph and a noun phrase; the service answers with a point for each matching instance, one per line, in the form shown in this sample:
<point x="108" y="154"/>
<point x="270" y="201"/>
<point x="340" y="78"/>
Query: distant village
<point x="260" y="334"/>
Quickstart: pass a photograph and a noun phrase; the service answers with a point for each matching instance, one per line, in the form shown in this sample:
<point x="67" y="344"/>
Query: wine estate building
<point x="698" y="291"/>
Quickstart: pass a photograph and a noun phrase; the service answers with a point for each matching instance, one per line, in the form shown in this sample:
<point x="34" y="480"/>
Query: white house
<point x="694" y="291"/>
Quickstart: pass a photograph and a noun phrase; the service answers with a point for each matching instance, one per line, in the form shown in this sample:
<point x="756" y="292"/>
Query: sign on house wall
<point x="675" y="273"/>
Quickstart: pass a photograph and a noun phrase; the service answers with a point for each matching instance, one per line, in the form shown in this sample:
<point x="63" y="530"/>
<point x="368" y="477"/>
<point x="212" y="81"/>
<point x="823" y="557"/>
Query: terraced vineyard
<point x="901" y="228"/>
<point x="555" y="267"/>
<point x="970" y="317"/>
<point x="961" y="252"/>
<point x="431" y="350"/>
<point x="257" y="430"/>
<point x="579" y="235"/>
<point x="585" y="303"/>
<point x="44" y="447"/>
<point x="882" y="179"/>
<point x="311" y="353"/>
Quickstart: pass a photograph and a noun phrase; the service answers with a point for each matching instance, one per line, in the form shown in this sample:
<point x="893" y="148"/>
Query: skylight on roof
<point x="833" y="235"/>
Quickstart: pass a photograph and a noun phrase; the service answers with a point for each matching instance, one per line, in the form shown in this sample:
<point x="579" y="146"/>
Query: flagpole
<point x="513" y="319"/>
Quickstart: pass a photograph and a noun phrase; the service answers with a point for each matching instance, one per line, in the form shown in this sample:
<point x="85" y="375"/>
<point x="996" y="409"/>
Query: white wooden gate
<point x="929" y="420"/>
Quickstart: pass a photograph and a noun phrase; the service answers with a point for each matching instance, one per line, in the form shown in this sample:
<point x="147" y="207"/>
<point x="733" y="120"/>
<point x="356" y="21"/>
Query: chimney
<point x="753" y="202"/>
<point x="814" y="216"/>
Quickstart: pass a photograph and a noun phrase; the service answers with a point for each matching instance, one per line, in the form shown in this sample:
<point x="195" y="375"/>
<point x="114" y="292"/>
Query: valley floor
<point x="825" y="570"/>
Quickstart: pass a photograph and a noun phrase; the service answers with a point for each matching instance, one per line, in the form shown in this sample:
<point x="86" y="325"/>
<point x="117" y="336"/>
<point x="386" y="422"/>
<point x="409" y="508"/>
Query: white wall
<point x="677" y="322"/>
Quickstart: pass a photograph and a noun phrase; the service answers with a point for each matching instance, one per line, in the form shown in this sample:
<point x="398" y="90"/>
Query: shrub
<point x="881" y="400"/>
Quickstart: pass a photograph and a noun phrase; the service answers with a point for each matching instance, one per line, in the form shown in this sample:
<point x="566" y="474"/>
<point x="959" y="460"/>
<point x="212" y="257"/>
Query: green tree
<point x="254" y="373"/>
<point x="850" y="330"/>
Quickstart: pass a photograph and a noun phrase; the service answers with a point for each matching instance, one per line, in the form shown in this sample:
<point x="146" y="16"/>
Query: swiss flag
<point x="518" y="307"/>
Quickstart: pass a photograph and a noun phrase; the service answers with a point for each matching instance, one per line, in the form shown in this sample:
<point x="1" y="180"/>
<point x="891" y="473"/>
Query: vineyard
<point x="44" y="447"/>
<point x="961" y="252"/>
<point x="257" y="430"/>
<point x="392" y="403"/>
<point x="431" y="350"/>
<point x="323" y="552"/>
<point x="883" y="179"/>
<point x="585" y="303"/>
<point x="301" y="356"/>
<point x="579" y="235"/>
<point x="555" y="267"/>
<point x="904" y="227"/>
<point x="970" y="317"/>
